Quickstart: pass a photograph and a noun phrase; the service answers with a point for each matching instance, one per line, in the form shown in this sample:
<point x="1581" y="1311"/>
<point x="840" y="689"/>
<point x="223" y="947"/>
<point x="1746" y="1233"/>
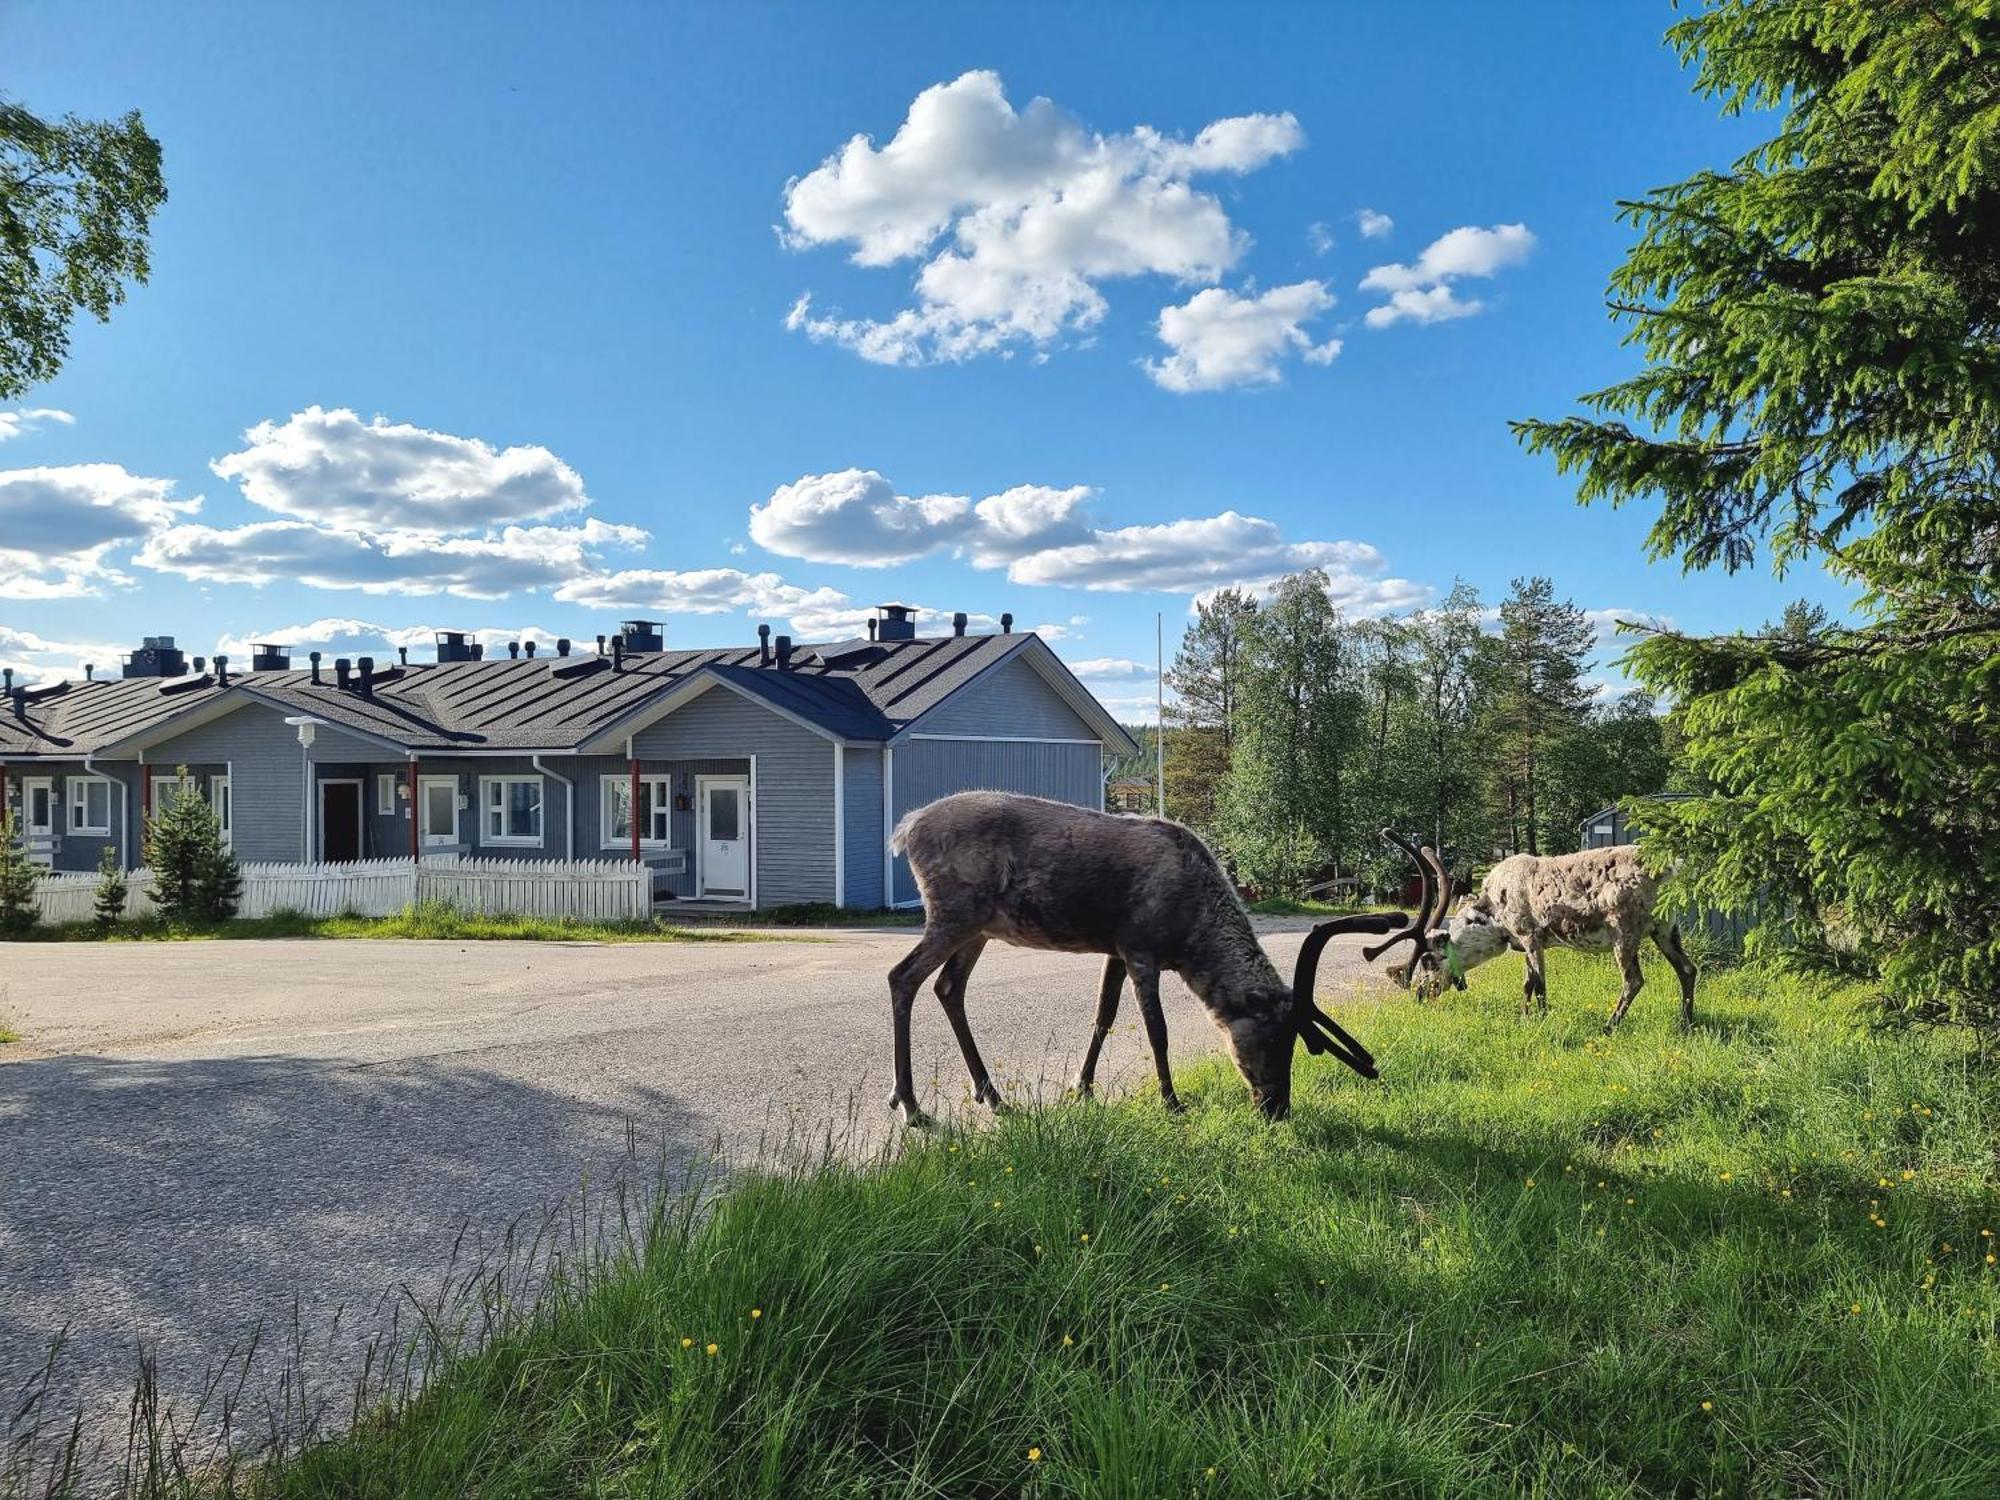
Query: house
<point x="763" y="775"/>
<point x="1129" y="794"/>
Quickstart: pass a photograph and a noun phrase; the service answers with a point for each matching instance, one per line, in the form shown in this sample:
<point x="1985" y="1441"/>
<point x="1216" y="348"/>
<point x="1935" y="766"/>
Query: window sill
<point x="646" y="846"/>
<point x="493" y="843"/>
<point x="89" y="833"/>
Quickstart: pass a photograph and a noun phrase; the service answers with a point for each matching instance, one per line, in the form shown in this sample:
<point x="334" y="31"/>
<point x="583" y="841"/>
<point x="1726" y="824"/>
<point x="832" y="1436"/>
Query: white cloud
<point x="1422" y="292"/>
<point x="331" y="468"/>
<point x="1102" y="667"/>
<point x="388" y="562"/>
<point x="1320" y="236"/>
<point x="1220" y="339"/>
<point x="1188" y="556"/>
<point x="854" y="516"/>
<point x="345" y="636"/>
<point x="25" y="419"/>
<point x="1026" y="519"/>
<point x="1374" y="226"/>
<point x="1015" y="218"/>
<point x="1360" y="591"/>
<point x="37" y="659"/>
<point x="58" y="525"/>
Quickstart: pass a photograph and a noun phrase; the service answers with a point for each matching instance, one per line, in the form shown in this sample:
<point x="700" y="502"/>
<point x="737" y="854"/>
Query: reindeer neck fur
<point x="1224" y="964"/>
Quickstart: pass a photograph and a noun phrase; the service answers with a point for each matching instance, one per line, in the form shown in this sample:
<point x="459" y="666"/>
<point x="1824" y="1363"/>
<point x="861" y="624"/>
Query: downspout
<point x="632" y="809"/>
<point x="416" y="813"/>
<point x="125" y="862"/>
<point x="569" y="804"/>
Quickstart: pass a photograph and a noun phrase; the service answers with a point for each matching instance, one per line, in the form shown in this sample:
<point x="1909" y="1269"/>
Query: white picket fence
<point x="594" y="890"/>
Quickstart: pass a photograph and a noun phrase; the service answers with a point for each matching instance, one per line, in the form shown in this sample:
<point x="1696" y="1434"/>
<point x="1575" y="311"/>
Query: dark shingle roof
<point x="858" y="689"/>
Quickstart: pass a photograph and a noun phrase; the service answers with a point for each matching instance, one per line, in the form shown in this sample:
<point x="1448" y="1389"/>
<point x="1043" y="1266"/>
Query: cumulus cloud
<point x="854" y="516"/>
<point x="38" y="659"/>
<point x="1026" y="519"/>
<point x="59" y="525"/>
<point x="25" y="419"/>
<point x="1374" y="226"/>
<point x="1188" y="556"/>
<point x="1110" y="667"/>
<point x="332" y="468"/>
<point x="1422" y="291"/>
<point x="1015" y="217"/>
<point x="1320" y="237"/>
<point x="345" y="636"/>
<point x="1220" y="339"/>
<point x="388" y="562"/>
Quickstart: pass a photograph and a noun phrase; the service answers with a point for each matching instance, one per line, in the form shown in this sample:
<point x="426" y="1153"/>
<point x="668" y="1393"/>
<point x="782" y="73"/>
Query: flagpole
<point x="1160" y="710"/>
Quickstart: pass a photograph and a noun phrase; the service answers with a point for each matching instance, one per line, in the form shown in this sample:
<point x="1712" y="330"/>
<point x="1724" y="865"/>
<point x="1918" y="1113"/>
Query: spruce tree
<point x="195" y="877"/>
<point x="108" y="907"/>
<point x="1820" y="324"/>
<point x="1207" y="681"/>
<point x="1541" y="704"/>
<point x="18" y="877"/>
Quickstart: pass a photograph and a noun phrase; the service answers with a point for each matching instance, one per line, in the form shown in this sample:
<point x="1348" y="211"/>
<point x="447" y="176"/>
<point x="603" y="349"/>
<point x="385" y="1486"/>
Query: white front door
<point x="723" y="835"/>
<point x="38" y="818"/>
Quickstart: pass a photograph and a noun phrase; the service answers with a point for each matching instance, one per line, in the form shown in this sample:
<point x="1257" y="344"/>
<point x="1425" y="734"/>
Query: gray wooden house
<point x="763" y="775"/>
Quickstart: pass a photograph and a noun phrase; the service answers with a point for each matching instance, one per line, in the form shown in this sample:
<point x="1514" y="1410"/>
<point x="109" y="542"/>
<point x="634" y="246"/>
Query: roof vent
<point x="452" y="645"/>
<point x="313" y="657"/>
<point x="364" y="682"/>
<point x="1006" y="624"/>
<point x="514" y="650"/>
<point x="871" y="628"/>
<point x="343" y="669"/>
<point x="157" y="656"/>
<point x="201" y="665"/>
<point x="642" y="636"/>
<point x="528" y="646"/>
<point x="270" y="657"/>
<point x="784" y="653"/>
<point x="763" y="645"/>
<point x="562" y="645"/>
<point x="222" y="670"/>
<point x="618" y="653"/>
<point x="403" y="655"/>
<point x="958" y="623"/>
<point x="90" y="671"/>
<point x="898" y="622"/>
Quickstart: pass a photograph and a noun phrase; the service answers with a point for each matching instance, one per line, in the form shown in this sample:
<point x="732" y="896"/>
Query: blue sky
<point x="552" y="260"/>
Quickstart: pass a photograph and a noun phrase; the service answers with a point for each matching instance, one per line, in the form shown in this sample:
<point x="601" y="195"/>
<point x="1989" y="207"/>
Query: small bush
<point x="109" y="908"/>
<point x="196" y="878"/>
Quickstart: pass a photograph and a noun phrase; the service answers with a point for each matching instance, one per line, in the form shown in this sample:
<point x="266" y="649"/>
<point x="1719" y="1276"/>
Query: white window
<point x="167" y="790"/>
<point x="385" y="794"/>
<point x="218" y="798"/>
<point x="510" y="809"/>
<point x="655" y="809"/>
<point x="437" y="807"/>
<point x="89" y="805"/>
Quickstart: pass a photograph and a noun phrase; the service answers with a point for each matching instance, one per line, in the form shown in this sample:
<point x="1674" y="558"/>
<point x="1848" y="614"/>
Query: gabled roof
<point x="859" y="690"/>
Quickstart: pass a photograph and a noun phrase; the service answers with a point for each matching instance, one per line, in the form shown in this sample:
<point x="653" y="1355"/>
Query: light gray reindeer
<point x="1593" y="900"/>
<point x="1145" y="892"/>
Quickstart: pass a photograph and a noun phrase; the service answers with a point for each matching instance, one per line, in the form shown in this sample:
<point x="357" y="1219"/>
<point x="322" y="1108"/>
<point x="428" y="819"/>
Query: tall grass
<point x="425" y="919"/>
<point x="1756" y="1259"/>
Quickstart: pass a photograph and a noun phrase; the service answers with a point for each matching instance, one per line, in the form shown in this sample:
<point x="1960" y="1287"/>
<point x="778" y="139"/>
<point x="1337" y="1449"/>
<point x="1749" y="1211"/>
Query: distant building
<point x="1130" y="794"/>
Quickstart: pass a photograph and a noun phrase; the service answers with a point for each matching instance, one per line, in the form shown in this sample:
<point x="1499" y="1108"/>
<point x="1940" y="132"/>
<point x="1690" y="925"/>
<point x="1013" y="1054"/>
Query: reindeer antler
<point x="1413" y="932"/>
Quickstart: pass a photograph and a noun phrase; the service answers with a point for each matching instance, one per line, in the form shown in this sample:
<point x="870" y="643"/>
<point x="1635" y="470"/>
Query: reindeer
<point x="1145" y="892"/>
<point x="1594" y="900"/>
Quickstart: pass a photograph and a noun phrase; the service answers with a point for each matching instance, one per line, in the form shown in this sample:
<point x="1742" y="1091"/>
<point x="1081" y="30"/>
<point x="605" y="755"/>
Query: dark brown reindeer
<point x="1146" y="893"/>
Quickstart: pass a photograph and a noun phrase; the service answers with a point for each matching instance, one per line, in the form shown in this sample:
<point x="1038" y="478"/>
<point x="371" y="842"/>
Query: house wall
<point x="922" y="771"/>
<point x="81" y="851"/>
<point x="862" y="811"/>
<point x="792" y="804"/>
<point x="1012" y="700"/>
<point x="261" y="753"/>
<point x="674" y="866"/>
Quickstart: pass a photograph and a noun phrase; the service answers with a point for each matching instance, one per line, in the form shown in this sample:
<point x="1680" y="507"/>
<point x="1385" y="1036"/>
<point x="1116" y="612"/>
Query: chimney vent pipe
<point x="514" y="650"/>
<point x="221" y="671"/>
<point x="365" y="680"/>
<point x="763" y="645"/>
<point x="402" y="656"/>
<point x="958" y="623"/>
<point x="618" y="653"/>
<point x="562" y="645"/>
<point x="871" y="629"/>
<point x="784" y="653"/>
<point x="200" y="665"/>
<point x="528" y="646"/>
<point x="342" y="670"/>
<point x="600" y="645"/>
<point x="1006" y="624"/>
<point x="90" y="671"/>
<point x="313" y="657"/>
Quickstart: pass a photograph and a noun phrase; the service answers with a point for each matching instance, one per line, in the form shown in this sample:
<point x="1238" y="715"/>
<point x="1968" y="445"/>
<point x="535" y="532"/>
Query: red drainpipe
<point x="633" y="808"/>
<point x="416" y="811"/>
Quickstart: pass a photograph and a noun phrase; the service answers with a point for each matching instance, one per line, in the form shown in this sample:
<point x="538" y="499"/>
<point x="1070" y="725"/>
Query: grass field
<point x="1532" y="1260"/>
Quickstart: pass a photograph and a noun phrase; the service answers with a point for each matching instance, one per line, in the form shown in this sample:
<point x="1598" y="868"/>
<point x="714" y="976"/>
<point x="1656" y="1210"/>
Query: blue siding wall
<point x="863" y="813"/>
<point x="1011" y="701"/>
<point x="674" y="865"/>
<point x="793" y="800"/>
<point x="81" y="851"/>
<point x="925" y="770"/>
<point x="261" y="753"/>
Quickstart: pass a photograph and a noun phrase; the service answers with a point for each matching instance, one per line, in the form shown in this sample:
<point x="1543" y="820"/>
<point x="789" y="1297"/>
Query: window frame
<point x="222" y="802"/>
<point x="490" y="808"/>
<point x="385" y="794"/>
<point x="71" y="798"/>
<point x="659" y="786"/>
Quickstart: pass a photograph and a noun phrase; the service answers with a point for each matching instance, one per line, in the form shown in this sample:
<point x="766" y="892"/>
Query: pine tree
<point x="1453" y="672"/>
<point x="195" y="877"/>
<point x="18" y="877"/>
<point x="1821" y="330"/>
<point x="1206" y="679"/>
<point x="108" y="909"/>
<point x="1542" y="702"/>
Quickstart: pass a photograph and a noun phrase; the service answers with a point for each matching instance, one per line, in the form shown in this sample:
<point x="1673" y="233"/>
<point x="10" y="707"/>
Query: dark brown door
<point x="339" y="821"/>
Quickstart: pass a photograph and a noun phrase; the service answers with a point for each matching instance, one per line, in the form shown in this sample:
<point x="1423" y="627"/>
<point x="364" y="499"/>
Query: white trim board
<point x="839" y="824"/>
<point x="1003" y="739"/>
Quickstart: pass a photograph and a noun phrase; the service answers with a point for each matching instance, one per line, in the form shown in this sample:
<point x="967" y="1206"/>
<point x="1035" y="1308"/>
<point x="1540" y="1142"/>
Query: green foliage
<point x="1207" y="682"/>
<point x="1821" y="331"/>
<point x="1533" y="1260"/>
<point x="108" y="907"/>
<point x="18" y="877"/>
<point x="77" y="199"/>
<point x="195" y="877"/>
<point x="1539" y="708"/>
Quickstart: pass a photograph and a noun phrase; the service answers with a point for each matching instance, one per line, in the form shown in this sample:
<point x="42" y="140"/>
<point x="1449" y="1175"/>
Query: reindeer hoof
<point x="913" y="1116"/>
<point x="991" y="1097"/>
<point x="1082" y="1089"/>
<point x="1173" y="1104"/>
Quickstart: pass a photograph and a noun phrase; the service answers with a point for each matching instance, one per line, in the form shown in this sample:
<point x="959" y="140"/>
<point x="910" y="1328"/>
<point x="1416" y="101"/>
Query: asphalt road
<point x="201" y="1140"/>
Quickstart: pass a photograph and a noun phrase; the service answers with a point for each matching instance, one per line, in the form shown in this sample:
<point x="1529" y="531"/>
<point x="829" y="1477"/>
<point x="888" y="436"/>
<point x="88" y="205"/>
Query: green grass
<point x="427" y="920"/>
<point x="1532" y="1260"/>
<point x="1288" y="906"/>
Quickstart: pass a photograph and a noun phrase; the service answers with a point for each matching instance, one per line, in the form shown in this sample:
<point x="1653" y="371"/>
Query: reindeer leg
<point x="905" y="980"/>
<point x="1667" y="938"/>
<point x="951" y="995"/>
<point x="1533" y="985"/>
<point x="1627" y="947"/>
<point x="1108" y="992"/>
<point x="1146" y="985"/>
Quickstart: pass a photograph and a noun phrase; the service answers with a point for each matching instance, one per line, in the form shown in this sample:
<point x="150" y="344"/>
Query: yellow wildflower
<point x="1708" y="1406"/>
<point x="1034" y="1455"/>
<point x="756" y="1312"/>
<point x="687" y="1343"/>
<point x="713" y="1350"/>
<point x="1068" y="1341"/>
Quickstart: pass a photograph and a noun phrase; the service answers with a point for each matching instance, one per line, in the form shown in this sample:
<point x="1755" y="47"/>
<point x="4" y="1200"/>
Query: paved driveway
<point x="194" y="1135"/>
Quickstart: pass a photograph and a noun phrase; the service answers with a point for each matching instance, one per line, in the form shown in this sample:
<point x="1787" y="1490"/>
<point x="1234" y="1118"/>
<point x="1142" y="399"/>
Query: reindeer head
<point x="1469" y="939"/>
<point x="1427" y="965"/>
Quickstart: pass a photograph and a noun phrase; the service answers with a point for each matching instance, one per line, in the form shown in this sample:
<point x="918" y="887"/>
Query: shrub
<point x="196" y="878"/>
<point x="111" y="889"/>
<point x="18" y="875"/>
